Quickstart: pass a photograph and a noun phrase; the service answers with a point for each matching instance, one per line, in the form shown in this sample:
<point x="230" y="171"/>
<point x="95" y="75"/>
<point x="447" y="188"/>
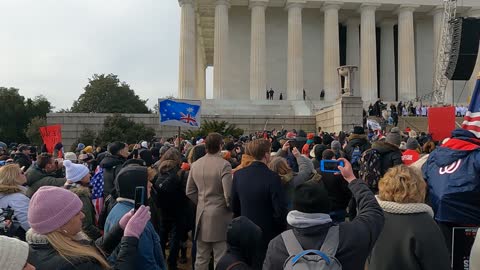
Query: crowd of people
<point x="263" y="201"/>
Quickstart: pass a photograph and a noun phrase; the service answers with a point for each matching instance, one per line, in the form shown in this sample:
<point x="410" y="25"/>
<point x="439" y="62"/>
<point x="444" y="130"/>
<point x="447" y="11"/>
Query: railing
<point x="311" y="105"/>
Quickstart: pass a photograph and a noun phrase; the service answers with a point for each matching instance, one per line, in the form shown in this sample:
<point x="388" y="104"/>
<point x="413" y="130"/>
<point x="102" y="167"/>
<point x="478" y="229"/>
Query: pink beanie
<point x="52" y="207"/>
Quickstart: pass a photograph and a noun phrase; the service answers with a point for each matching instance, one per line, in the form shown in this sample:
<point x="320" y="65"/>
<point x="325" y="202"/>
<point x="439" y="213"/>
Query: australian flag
<point x="181" y="113"/>
<point x="472" y="118"/>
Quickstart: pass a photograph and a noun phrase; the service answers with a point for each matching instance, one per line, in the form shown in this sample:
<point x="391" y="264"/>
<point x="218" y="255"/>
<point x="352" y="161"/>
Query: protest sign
<point x="441" y="122"/>
<point x="51" y="135"/>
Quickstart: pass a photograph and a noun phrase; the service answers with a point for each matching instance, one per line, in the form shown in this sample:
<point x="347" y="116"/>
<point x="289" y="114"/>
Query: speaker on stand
<point x="464" y="49"/>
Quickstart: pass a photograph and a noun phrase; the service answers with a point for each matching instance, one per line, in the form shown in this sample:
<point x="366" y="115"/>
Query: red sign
<point x="51" y="135"/>
<point x="441" y="122"/>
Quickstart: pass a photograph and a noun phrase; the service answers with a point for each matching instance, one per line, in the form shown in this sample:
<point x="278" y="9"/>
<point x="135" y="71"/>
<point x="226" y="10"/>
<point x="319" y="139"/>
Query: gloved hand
<point x="124" y="220"/>
<point x="137" y="222"/>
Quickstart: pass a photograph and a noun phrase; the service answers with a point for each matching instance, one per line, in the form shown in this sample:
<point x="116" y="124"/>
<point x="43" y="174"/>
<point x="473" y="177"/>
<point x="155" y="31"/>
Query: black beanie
<point x="128" y="179"/>
<point x="311" y="197"/>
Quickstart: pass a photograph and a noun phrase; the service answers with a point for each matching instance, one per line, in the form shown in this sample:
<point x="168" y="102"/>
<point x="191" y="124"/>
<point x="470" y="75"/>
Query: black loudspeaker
<point x="465" y="41"/>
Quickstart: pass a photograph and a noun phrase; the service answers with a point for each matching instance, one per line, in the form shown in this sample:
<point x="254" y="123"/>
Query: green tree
<point x="106" y="94"/>
<point x="120" y="128"/>
<point x="33" y="130"/>
<point x="221" y="127"/>
<point x="87" y="137"/>
<point x="16" y="113"/>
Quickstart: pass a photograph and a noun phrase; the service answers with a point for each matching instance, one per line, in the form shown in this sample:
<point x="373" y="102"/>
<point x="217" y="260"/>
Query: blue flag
<point x="472" y="118"/>
<point x="180" y="113"/>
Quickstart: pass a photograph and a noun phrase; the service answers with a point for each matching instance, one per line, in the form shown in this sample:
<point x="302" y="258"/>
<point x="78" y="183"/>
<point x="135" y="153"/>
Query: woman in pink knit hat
<point x="57" y="241"/>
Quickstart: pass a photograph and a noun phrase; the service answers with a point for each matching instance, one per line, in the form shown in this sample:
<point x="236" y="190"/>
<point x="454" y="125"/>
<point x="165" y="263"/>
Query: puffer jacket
<point x="452" y="172"/>
<point x="88" y="223"/>
<point x="111" y="166"/>
<point x="391" y="155"/>
<point x="355" y="140"/>
<point x="37" y="178"/>
<point x="13" y="197"/>
<point x="44" y="257"/>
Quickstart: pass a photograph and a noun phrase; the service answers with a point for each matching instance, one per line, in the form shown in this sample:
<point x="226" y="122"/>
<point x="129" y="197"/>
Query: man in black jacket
<point x="257" y="194"/>
<point x="311" y="223"/>
<point x="356" y="140"/>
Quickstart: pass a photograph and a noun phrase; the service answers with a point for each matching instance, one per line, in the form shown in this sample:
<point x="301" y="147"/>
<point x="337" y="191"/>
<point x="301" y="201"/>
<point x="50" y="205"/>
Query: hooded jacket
<point x="391" y="155"/>
<point x="355" y="140"/>
<point x="452" y="172"/>
<point x="357" y="237"/>
<point x="243" y="241"/>
<point x="111" y="165"/>
<point x="246" y="161"/>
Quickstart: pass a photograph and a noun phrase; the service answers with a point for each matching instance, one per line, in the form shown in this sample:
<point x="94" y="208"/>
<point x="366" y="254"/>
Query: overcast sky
<point x="52" y="47"/>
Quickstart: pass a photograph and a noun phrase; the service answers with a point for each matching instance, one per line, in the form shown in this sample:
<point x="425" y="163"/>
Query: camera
<point x="6" y="214"/>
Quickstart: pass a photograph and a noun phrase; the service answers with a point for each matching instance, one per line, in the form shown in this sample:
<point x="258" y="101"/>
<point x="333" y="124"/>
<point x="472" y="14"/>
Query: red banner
<point x="441" y="122"/>
<point x="51" y="135"/>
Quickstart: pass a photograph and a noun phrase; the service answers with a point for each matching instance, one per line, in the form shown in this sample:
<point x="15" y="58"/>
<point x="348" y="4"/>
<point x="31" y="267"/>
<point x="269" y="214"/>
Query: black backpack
<point x="371" y="168"/>
<point x="169" y="189"/>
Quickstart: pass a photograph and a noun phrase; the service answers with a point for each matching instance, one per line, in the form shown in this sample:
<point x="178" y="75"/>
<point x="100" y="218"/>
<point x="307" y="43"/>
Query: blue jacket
<point x="452" y="172"/>
<point x="149" y="255"/>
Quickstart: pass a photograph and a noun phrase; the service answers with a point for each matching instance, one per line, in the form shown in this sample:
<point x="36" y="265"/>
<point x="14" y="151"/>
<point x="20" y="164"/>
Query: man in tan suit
<point x="209" y="185"/>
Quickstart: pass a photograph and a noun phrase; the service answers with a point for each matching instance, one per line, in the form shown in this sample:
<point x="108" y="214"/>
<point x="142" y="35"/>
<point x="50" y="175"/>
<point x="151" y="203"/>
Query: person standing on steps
<point x="281" y="96"/>
<point x="304" y="94"/>
<point x="271" y="92"/>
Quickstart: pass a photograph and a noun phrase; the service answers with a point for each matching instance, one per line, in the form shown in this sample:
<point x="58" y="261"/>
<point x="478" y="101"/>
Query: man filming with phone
<point x="336" y="186"/>
<point x="311" y="224"/>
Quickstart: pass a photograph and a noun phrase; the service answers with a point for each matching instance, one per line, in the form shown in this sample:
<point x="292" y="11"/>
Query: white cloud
<point x="52" y="47"/>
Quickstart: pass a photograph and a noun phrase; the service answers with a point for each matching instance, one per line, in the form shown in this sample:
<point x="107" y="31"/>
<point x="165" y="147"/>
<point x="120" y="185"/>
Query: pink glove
<point x="137" y="223"/>
<point x="124" y="220"/>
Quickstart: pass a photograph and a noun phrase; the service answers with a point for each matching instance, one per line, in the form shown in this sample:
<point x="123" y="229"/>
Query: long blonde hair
<point x="72" y="250"/>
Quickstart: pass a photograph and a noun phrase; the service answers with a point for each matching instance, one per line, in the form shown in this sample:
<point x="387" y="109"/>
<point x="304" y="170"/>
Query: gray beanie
<point x="13" y="253"/>
<point x="336" y="146"/>
<point x="394" y="137"/>
<point x="412" y="144"/>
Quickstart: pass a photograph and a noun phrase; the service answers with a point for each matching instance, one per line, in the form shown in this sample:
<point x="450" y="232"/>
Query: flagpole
<point x="179" y="132"/>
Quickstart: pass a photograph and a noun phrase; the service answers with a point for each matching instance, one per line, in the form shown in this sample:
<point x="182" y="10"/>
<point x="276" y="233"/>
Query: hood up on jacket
<point x="110" y="161"/>
<point x="458" y="147"/>
<point x="385" y="147"/>
<point x="244" y="239"/>
<point x="357" y="139"/>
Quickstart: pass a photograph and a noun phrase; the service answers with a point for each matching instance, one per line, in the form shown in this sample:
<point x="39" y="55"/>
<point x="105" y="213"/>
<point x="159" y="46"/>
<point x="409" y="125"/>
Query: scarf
<point x="404" y="208"/>
<point x="299" y="219"/>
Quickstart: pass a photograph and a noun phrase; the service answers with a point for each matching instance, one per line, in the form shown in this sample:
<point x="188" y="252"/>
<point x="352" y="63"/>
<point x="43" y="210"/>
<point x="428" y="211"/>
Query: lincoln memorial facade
<point x="296" y="45"/>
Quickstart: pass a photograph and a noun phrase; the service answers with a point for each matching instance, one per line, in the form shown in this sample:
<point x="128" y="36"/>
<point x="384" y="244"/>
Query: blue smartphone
<point x="139" y="197"/>
<point x="331" y="166"/>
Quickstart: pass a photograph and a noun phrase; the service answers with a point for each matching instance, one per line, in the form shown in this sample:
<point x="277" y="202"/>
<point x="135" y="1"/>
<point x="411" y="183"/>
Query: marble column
<point x="220" y="57"/>
<point x="331" y="51"/>
<point x="201" y="67"/>
<point x="387" y="61"/>
<point x="258" y="68"/>
<point x="474" y="12"/>
<point x="295" y="50"/>
<point x="368" y="53"/>
<point x="407" y="81"/>
<point x="353" y="50"/>
<point x="187" y="58"/>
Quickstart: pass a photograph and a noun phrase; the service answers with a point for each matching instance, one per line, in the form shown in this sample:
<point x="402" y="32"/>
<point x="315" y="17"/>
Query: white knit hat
<point x="75" y="172"/>
<point x="13" y="253"/>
